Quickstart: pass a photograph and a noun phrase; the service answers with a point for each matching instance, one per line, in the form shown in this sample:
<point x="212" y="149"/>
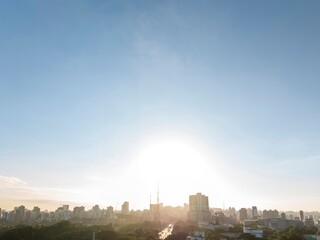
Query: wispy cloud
<point x="15" y="188"/>
<point x="11" y="181"/>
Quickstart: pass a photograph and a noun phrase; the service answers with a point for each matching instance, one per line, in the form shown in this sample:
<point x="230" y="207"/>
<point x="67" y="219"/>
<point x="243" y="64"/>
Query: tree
<point x="177" y="236"/>
<point x="247" y="236"/>
<point x="291" y="233"/>
<point x="107" y="235"/>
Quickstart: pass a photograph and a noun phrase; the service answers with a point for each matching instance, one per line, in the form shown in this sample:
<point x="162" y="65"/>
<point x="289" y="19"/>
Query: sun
<point x="168" y="158"/>
<point x="177" y="165"/>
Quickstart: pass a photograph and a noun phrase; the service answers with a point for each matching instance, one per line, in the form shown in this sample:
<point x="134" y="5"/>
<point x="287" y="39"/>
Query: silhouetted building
<point x="219" y="218"/>
<point x="254" y="212"/>
<point x="109" y="213"/>
<point x="79" y="212"/>
<point x="309" y="222"/>
<point x="301" y="215"/>
<point x="35" y="214"/>
<point x="249" y="213"/>
<point x="242" y="215"/>
<point x="270" y="214"/>
<point x="125" y="208"/>
<point x="275" y="224"/>
<point x="155" y="211"/>
<point x="199" y="208"/>
<point x="21" y="213"/>
<point x="96" y="212"/>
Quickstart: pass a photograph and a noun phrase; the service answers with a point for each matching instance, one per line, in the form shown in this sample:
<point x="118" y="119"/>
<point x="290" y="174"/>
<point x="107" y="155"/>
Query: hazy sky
<point x="101" y="100"/>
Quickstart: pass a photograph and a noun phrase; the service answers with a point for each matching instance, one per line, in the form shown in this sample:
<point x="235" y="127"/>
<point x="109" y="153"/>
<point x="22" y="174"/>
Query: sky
<point x="101" y="102"/>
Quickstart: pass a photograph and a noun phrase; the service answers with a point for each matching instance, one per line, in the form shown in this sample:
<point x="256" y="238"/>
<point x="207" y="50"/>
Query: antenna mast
<point x="158" y="195"/>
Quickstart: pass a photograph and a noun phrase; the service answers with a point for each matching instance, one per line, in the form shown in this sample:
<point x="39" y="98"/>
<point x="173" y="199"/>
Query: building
<point x="199" y="208"/>
<point x="155" y="211"/>
<point x="96" y="212"/>
<point x="197" y="235"/>
<point x="79" y="212"/>
<point x="20" y="214"/>
<point x="270" y="214"/>
<point x="309" y="222"/>
<point x="125" y="208"/>
<point x="254" y="212"/>
<point x="109" y="213"/>
<point x="275" y="224"/>
<point x="258" y="233"/>
<point x="242" y="215"/>
<point x="301" y="215"/>
<point x="249" y="213"/>
<point x="35" y="214"/>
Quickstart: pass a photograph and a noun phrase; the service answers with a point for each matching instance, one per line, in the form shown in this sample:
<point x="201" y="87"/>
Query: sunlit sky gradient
<point x="90" y="90"/>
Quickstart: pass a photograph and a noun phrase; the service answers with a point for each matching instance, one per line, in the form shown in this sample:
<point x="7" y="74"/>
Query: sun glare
<point x="169" y="158"/>
<point x="176" y="165"/>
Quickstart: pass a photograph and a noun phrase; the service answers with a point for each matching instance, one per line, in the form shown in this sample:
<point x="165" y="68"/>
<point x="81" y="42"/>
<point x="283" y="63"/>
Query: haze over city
<point x="103" y="101"/>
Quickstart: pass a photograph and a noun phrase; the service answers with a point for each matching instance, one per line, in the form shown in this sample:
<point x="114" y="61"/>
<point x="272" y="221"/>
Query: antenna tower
<point x="158" y="195"/>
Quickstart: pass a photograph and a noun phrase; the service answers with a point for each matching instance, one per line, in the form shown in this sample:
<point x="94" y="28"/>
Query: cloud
<point x="15" y="188"/>
<point x="11" y="181"/>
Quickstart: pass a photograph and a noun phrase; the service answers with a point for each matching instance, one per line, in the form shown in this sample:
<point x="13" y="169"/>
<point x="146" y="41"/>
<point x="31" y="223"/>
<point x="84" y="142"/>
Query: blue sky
<point x="85" y="84"/>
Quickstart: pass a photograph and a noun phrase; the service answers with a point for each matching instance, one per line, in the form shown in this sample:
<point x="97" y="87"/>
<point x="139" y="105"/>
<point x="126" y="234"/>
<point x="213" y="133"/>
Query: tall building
<point x="96" y="212"/>
<point x="242" y="215"/>
<point x="35" y="213"/>
<point x="79" y="212"/>
<point x="21" y="213"/>
<point x="254" y="212"/>
<point x="125" y="208"/>
<point x="249" y="213"/>
<point x="301" y="215"/>
<point x="199" y="208"/>
<point x="109" y="213"/>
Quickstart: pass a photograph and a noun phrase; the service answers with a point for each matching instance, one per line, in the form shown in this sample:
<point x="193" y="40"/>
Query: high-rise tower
<point x="125" y="208"/>
<point x="254" y="212"/>
<point x="301" y="215"/>
<point x="199" y="208"/>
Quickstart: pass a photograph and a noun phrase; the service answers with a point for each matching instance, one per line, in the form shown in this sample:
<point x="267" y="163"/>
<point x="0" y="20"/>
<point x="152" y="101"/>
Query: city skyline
<point x="101" y="101"/>
<point x="197" y="211"/>
<point x="51" y="205"/>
